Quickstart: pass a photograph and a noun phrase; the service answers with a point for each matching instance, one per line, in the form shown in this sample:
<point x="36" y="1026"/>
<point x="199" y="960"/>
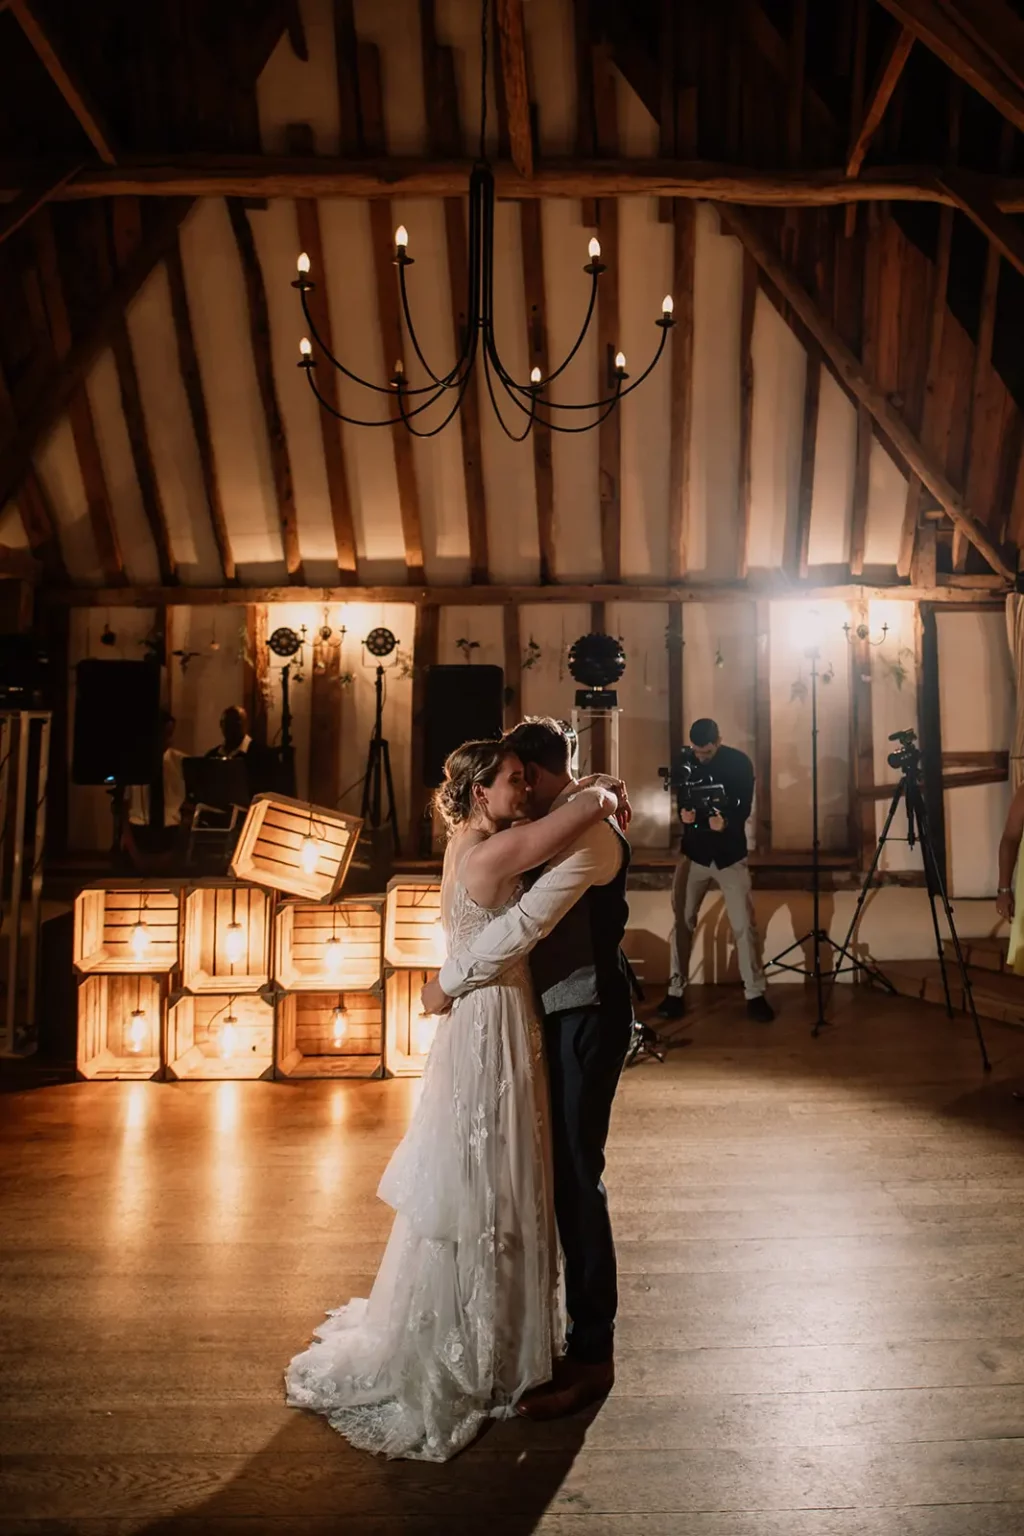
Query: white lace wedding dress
<point x="464" y="1313"/>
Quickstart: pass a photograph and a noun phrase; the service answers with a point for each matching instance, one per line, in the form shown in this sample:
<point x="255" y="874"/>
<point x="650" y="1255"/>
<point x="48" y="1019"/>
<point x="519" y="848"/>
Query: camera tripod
<point x="378" y="772"/>
<point x="909" y="790"/>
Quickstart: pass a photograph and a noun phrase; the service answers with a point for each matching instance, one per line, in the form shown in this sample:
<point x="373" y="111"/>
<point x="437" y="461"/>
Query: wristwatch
<point x="1005" y="890"/>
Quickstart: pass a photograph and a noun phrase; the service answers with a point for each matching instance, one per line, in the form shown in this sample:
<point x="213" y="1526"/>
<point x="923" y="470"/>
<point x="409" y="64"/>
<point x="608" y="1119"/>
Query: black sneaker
<point x="760" y="1008"/>
<point x="671" y="1008"/>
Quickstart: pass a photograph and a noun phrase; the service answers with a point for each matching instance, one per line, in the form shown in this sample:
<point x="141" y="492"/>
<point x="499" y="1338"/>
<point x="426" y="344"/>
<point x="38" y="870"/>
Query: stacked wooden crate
<point x="413" y="952"/>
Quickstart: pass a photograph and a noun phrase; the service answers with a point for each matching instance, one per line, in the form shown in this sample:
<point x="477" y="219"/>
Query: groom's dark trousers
<point x="584" y="988"/>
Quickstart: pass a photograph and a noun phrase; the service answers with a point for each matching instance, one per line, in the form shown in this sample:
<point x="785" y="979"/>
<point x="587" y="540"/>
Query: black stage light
<point x="284" y="641"/>
<point x="380" y="642"/>
<point x="596" y="661"/>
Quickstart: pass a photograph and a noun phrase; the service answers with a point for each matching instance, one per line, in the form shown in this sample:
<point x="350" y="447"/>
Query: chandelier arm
<point x="553" y="426"/>
<point x="451" y="379"/>
<point x="380" y="389"/>
<point x="434" y="431"/>
<point x="354" y="421"/>
<point x="563" y="365"/>
<point x="596" y="405"/>
<point x="514" y="437"/>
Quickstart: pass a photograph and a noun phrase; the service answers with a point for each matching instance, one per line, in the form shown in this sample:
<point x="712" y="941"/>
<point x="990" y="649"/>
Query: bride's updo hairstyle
<point x="475" y="762"/>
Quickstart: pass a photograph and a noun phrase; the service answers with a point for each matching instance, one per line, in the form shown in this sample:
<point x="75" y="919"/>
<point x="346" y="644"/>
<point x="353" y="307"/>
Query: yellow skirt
<point x="1015" y="956"/>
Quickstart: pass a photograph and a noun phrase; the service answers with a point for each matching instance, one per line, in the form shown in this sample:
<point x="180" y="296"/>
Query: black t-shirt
<point x="735" y="772"/>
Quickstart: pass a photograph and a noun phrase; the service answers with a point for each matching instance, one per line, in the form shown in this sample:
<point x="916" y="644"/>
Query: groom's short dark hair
<point x="542" y="741"/>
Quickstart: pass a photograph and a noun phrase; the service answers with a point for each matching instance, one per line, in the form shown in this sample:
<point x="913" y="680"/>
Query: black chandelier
<point x="478" y="342"/>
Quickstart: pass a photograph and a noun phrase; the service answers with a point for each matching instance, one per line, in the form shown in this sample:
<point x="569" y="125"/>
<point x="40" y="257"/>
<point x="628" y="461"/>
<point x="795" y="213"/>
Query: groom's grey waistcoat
<point x="580" y="964"/>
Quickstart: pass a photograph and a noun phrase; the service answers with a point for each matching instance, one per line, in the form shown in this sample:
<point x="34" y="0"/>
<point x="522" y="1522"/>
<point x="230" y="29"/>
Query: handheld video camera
<point x="907" y="757"/>
<point x="695" y="789"/>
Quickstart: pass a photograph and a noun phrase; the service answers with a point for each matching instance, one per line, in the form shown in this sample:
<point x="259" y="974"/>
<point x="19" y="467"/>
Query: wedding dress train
<point x="464" y="1313"/>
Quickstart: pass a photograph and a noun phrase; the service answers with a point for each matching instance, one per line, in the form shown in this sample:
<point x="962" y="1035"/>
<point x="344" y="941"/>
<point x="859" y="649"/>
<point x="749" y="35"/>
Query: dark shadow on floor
<point x="309" y="1479"/>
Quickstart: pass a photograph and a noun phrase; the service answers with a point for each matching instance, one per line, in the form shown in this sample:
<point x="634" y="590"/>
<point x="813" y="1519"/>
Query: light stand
<point x="378" y="771"/>
<point x="816" y="936"/>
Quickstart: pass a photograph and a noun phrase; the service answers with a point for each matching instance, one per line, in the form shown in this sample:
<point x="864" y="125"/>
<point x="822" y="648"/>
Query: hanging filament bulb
<point x="309" y="855"/>
<point x="138" y="1031"/>
<point x="339" y="1027"/>
<point x="140" y="940"/>
<point x="333" y="955"/>
<point x="234" y="942"/>
<point x="229" y="1036"/>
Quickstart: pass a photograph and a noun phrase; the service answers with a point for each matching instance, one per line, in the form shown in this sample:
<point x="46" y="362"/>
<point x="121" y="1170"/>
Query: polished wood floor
<point x="822" y="1317"/>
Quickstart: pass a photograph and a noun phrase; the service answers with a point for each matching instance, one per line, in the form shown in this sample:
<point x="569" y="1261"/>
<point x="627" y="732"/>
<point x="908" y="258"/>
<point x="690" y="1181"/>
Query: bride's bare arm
<point x="498" y="859"/>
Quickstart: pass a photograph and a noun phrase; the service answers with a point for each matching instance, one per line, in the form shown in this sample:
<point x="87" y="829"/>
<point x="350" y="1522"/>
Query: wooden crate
<point x="318" y="948"/>
<point x="111" y="1042"/>
<point x="408" y="1033"/>
<point x="306" y="1046"/>
<point x="198" y="1045"/>
<point x="210" y="939"/>
<point x="106" y="919"/>
<point x="270" y="849"/>
<point x="413" y="936"/>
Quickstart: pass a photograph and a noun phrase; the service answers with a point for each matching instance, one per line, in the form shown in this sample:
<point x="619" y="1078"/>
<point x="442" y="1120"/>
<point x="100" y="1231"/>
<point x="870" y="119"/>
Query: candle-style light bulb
<point x="137" y="1030"/>
<point x="667" y="306"/>
<point x="306" y="347"/>
<point x="620" y="361"/>
<point x="333" y="955"/>
<point x="339" y="1026"/>
<point x="140" y="940"/>
<point x="309" y="855"/>
<point x="303" y="264"/>
<point x="534" y="375"/>
<point x="401" y="237"/>
<point x="234" y="942"/>
<point x="594" y="249"/>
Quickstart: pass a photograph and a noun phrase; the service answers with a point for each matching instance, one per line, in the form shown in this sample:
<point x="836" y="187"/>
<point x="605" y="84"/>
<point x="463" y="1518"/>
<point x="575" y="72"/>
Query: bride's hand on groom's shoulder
<point x="433" y="999"/>
<point x="617" y="787"/>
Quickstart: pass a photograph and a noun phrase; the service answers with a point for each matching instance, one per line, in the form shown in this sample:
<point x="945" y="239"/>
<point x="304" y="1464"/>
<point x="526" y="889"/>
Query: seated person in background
<point x="152" y="831"/>
<point x="234" y="728"/>
<point x="1010" y="902"/>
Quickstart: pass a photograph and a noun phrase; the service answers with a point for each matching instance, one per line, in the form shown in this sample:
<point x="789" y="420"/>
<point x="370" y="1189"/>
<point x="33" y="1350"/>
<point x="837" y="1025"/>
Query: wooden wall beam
<point x="748" y="307"/>
<point x="864" y="389"/>
<point x="325" y="704"/>
<point x="805" y="500"/>
<point x="424" y="656"/>
<point x="513" y="664"/>
<point x="446" y="136"/>
<point x="763" y="724"/>
<point x="531" y="233"/>
<point x="72" y="89"/>
<point x="127" y="235"/>
<point x="307" y="216"/>
<point x="885" y="83"/>
<point x="512" y="51"/>
<point x="930" y="435"/>
<point x="684" y="245"/>
<point x="975" y="591"/>
<point x="188" y="362"/>
<point x="55" y="391"/>
<point x="257" y="670"/>
<point x="207" y="175"/>
<point x="609" y="332"/>
<point x="676" y="702"/>
<point x="389" y="310"/>
<point x="968" y="193"/>
<point x="83" y="426"/>
<point x="939" y="29"/>
<point x="263" y="359"/>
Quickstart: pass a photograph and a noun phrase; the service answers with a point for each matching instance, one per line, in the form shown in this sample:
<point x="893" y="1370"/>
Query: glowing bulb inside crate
<point x="140" y="940"/>
<point x="309" y="855"/>
<point x="339" y="1026"/>
<point x="138" y="1031"/>
<point x="234" y="942"/>
<point x="334" y="955"/>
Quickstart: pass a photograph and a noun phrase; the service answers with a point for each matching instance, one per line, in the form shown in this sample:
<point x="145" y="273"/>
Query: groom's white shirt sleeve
<point x="593" y="859"/>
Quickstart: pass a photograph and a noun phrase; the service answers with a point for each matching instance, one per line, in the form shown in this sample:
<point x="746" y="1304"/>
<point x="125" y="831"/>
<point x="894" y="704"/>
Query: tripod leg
<point x="372" y="772"/>
<point x="844" y="948"/>
<point x="931" y="864"/>
<point x="392" y="811"/>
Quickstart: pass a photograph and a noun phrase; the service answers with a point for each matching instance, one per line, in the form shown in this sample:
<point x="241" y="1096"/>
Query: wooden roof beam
<point x="937" y="26"/>
<point x="18" y="212"/>
<point x="863" y="388"/>
<point x="971" y="195"/>
<point x="886" y="80"/>
<point x="51" y="399"/>
<point x="72" y="90"/>
<point x="512" y="48"/>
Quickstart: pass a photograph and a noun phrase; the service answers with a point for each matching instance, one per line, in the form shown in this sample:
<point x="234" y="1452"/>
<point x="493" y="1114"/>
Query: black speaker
<point x="117" y="722"/>
<point x="464" y="703"/>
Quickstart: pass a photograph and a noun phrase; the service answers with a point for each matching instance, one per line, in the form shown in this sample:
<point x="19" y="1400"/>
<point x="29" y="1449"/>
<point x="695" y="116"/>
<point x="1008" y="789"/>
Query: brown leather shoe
<point x="575" y="1385"/>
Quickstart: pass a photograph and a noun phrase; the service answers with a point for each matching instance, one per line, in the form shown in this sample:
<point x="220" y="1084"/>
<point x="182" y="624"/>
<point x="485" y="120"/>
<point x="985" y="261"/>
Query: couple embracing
<point x="501" y="1165"/>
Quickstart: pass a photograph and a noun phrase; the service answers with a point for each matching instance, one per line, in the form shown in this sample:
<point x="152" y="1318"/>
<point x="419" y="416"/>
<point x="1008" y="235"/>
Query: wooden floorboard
<point x="821" y="1333"/>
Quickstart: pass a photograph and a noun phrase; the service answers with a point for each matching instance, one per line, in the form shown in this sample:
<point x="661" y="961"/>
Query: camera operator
<point x="714" y="851"/>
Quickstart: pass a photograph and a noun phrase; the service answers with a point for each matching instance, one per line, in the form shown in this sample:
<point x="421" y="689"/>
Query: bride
<point x="464" y="1314"/>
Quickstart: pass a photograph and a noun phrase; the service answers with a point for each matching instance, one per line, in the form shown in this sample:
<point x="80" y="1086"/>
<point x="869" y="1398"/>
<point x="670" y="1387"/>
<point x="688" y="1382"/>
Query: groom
<point x="583" y="986"/>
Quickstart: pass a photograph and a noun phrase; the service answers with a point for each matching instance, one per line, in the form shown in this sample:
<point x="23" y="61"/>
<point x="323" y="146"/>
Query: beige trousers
<point x="689" y="887"/>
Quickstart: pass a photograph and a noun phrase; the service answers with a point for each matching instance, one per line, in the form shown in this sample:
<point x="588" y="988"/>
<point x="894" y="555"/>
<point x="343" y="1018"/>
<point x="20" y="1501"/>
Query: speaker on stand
<point x="116" y="737"/>
<point x="462" y="703"/>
